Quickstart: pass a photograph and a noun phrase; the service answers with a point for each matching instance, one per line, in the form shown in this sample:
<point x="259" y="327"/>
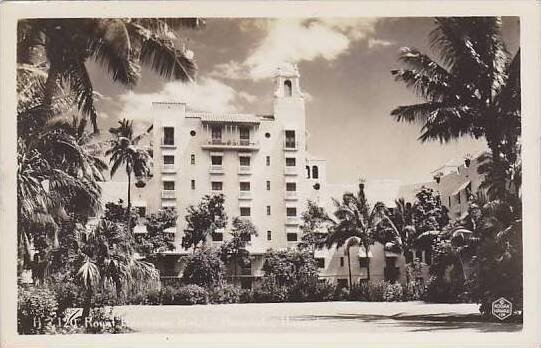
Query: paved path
<point x="355" y="317"/>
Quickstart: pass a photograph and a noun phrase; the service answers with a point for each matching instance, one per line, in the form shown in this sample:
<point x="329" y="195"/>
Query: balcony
<point x="291" y="195"/>
<point x="169" y="168"/>
<point x="168" y="194"/>
<point x="289" y="170"/>
<point x="245" y="194"/>
<point x="245" y="170"/>
<point x="167" y="143"/>
<point x="231" y="144"/>
<point x="216" y="169"/>
<point x="292" y="220"/>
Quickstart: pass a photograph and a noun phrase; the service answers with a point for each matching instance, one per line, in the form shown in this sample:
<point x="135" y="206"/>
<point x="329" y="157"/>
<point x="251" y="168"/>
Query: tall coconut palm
<point x="472" y="89"/>
<point x="119" y="45"/>
<point x="124" y="151"/>
<point x="355" y="226"/>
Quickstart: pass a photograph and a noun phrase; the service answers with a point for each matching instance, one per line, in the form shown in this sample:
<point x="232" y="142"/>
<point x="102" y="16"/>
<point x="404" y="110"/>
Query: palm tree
<point x="234" y="250"/>
<point x="124" y="150"/>
<point x="355" y="225"/>
<point x="119" y="45"/>
<point x="473" y="89"/>
<point x="110" y="261"/>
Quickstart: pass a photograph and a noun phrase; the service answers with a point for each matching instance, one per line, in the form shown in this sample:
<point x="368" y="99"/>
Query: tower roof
<point x="287" y="69"/>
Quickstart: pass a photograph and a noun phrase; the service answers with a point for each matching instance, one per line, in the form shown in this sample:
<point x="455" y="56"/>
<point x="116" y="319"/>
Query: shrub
<point x="270" y="293"/>
<point x="341" y="294"/>
<point x="67" y="294"/>
<point x="359" y="292"/>
<point x="393" y="292"/>
<point x="324" y="291"/>
<point x="186" y="295"/>
<point x="376" y="290"/>
<point x="104" y="321"/>
<point x="153" y="297"/>
<point x="204" y="268"/>
<point x="36" y="310"/>
<point x="225" y="293"/>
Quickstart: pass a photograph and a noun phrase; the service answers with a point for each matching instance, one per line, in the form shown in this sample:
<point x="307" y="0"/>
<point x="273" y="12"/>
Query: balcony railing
<point x="168" y="194"/>
<point x="291" y="195"/>
<point x="243" y="144"/>
<point x="167" y="142"/>
<point x="290" y="170"/>
<point x="168" y="168"/>
<point x="245" y="195"/>
<point x="244" y="170"/>
<point x="216" y="169"/>
<point x="292" y="220"/>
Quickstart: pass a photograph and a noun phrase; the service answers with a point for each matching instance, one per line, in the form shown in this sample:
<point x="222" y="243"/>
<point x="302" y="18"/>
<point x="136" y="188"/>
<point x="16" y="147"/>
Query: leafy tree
<point x="233" y="251"/>
<point x="289" y="267"/>
<point x="119" y="45"/>
<point x="473" y="89"/>
<point x="124" y="151"/>
<point x="316" y="223"/>
<point x="203" y="220"/>
<point x="156" y="239"/>
<point x="205" y="268"/>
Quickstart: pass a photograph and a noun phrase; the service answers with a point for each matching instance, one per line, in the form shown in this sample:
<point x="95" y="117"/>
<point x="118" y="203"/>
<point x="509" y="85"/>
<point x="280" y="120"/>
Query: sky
<point x="345" y="66"/>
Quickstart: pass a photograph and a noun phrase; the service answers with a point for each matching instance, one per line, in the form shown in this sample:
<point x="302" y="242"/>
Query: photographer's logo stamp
<point x="502" y="308"/>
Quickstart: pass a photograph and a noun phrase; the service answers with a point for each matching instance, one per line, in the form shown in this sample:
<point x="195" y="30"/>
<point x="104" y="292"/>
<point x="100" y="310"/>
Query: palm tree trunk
<point x="87" y="304"/>
<point x="50" y="86"/>
<point x="349" y="268"/>
<point x="129" y="202"/>
<point x="367" y="267"/>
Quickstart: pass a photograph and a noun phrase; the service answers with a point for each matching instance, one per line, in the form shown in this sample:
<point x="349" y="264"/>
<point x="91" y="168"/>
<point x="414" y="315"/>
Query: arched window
<point x="287" y="88"/>
<point x="308" y="172"/>
<point x="315" y="172"/>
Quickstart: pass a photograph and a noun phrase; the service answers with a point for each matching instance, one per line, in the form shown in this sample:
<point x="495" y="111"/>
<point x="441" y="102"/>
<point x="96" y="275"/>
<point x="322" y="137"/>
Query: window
<point x="244" y="135"/>
<point x="244" y="161"/>
<point x="287" y="88"/>
<point x="428" y="257"/>
<point x="216" y="133"/>
<point x="291" y="237"/>
<point x="267" y="135"/>
<point x="267" y="160"/>
<point x="168" y="159"/>
<point x="315" y="172"/>
<point x="290" y="139"/>
<point x="291" y="211"/>
<point x="168" y="185"/>
<point x="217" y="236"/>
<point x="363" y="262"/>
<point x="291" y="186"/>
<point x="192" y="159"/>
<point x="268" y="185"/>
<point x="217" y="185"/>
<point x="449" y="201"/>
<point x="307" y="172"/>
<point x="245" y="211"/>
<point x="193" y="184"/>
<point x="269" y="235"/>
<point x="268" y="209"/>
<point x="291" y="162"/>
<point x="458" y="197"/>
<point x="245" y="186"/>
<point x="341" y="261"/>
<point x="216" y="160"/>
<point x="192" y="133"/>
<point x="168" y="136"/>
<point x="320" y="261"/>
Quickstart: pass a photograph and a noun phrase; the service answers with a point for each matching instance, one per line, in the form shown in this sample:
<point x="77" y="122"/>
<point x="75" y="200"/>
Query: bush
<point x="324" y="291"/>
<point x="204" y="268"/>
<point x="153" y="297"/>
<point x="359" y="292"/>
<point x="186" y="295"/>
<point x="441" y="291"/>
<point x="225" y="293"/>
<point x="270" y="293"/>
<point x="36" y="310"/>
<point x="393" y="292"/>
<point x="376" y="290"/>
<point x="67" y="294"/>
<point x="104" y="321"/>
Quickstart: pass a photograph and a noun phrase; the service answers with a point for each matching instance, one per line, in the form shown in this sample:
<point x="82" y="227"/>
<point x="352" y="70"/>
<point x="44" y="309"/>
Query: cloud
<point x="374" y="43"/>
<point x="207" y="94"/>
<point x="295" y="40"/>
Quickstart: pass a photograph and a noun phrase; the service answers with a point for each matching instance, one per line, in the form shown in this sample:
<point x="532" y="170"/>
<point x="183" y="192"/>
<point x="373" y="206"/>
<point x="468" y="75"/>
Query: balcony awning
<point x="228" y="118"/>
<point x="363" y="254"/>
<point x="392" y="254"/>
<point x="170" y="230"/>
<point x="256" y="249"/>
<point x="461" y="187"/>
<point x="323" y="252"/>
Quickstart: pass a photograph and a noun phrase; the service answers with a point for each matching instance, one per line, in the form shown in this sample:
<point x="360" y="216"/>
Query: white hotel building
<point x="261" y="165"/>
